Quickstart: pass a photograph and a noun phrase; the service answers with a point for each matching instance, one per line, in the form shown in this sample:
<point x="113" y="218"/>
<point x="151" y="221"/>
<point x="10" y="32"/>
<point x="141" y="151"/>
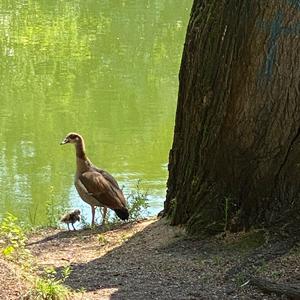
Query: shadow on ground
<point x="142" y="268"/>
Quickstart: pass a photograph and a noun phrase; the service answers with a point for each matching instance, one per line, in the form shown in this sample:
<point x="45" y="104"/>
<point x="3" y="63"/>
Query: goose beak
<point x="65" y="141"/>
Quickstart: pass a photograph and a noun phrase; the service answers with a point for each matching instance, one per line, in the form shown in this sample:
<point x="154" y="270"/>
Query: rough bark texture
<point x="235" y="160"/>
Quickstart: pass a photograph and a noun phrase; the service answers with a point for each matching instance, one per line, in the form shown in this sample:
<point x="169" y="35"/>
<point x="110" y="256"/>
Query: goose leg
<point x="93" y="215"/>
<point x="104" y="215"/>
<point x="73" y="227"/>
<point x="68" y="226"/>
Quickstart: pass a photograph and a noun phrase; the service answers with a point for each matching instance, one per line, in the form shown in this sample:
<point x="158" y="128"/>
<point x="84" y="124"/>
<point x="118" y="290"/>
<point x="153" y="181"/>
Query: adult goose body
<point x="96" y="186"/>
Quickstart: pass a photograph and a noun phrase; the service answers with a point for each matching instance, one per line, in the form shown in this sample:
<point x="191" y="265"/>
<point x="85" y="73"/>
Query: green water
<point x="107" y="69"/>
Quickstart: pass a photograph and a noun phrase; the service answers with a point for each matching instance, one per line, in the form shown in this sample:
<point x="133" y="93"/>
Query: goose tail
<point x="122" y="213"/>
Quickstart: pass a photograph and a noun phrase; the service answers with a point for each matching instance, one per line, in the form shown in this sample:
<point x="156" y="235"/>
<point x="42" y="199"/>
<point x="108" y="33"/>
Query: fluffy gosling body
<point x="71" y="218"/>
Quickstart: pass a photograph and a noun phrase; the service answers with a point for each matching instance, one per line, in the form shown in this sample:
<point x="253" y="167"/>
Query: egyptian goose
<point x="96" y="186"/>
<point x="71" y="218"/>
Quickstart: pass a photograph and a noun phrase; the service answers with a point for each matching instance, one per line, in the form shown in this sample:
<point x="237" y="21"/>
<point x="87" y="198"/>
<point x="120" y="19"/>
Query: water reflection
<point x="107" y="69"/>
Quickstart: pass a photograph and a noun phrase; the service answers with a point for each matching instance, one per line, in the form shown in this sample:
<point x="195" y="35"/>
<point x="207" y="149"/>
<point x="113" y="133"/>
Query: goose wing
<point x="107" y="176"/>
<point x="103" y="190"/>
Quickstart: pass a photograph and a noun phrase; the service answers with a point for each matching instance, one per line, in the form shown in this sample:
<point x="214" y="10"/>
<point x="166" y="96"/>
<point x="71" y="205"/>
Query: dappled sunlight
<point x="128" y="258"/>
<point x="82" y="245"/>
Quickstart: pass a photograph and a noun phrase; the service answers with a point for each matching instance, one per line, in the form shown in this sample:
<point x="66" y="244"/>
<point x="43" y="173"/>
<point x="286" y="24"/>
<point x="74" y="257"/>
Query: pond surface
<point x="106" y="69"/>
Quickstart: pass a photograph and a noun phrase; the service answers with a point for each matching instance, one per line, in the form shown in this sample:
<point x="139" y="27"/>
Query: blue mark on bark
<point x="275" y="28"/>
<point x="275" y="32"/>
<point x="295" y="3"/>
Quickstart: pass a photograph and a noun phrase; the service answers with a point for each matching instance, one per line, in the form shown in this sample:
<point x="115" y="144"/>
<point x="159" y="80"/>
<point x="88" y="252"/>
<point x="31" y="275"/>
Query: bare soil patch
<point x="12" y="286"/>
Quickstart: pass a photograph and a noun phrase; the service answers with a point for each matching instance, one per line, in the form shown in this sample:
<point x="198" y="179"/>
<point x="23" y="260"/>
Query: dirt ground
<point x="151" y="260"/>
<point x="11" y="284"/>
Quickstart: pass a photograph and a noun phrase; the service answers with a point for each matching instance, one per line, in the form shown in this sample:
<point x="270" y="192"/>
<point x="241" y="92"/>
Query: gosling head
<point x="76" y="212"/>
<point x="72" y="138"/>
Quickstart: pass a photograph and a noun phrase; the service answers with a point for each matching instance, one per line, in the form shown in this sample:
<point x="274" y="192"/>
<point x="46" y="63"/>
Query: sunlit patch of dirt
<point x="12" y="286"/>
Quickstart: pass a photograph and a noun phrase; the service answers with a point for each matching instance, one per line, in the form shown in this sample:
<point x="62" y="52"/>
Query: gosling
<point x="71" y="217"/>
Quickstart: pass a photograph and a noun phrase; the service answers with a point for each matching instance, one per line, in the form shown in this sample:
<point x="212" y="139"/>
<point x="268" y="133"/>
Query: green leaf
<point x="8" y="250"/>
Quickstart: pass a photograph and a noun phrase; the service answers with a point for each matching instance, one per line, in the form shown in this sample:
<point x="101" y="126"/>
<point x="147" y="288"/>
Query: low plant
<point x="84" y="222"/>
<point x="49" y="287"/>
<point x="32" y="213"/>
<point x="138" y="203"/>
<point x="102" y="239"/>
<point x="276" y="274"/>
<point x="13" y="241"/>
<point x="54" y="210"/>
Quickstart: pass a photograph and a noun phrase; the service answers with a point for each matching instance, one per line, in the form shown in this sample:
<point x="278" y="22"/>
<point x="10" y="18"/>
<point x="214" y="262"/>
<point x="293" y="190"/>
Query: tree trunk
<point x="235" y="160"/>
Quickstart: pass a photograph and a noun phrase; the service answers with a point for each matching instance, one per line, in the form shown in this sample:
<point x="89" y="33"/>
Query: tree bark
<point x="235" y="159"/>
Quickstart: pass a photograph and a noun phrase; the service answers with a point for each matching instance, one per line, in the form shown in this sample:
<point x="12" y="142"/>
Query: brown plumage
<point x="95" y="186"/>
<point x="71" y="218"/>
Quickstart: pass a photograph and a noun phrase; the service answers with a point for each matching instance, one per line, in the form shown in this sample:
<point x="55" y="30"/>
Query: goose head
<point x="72" y="138"/>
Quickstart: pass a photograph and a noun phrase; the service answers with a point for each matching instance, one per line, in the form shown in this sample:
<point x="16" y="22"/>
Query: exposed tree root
<point x="290" y="290"/>
<point x="261" y="255"/>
